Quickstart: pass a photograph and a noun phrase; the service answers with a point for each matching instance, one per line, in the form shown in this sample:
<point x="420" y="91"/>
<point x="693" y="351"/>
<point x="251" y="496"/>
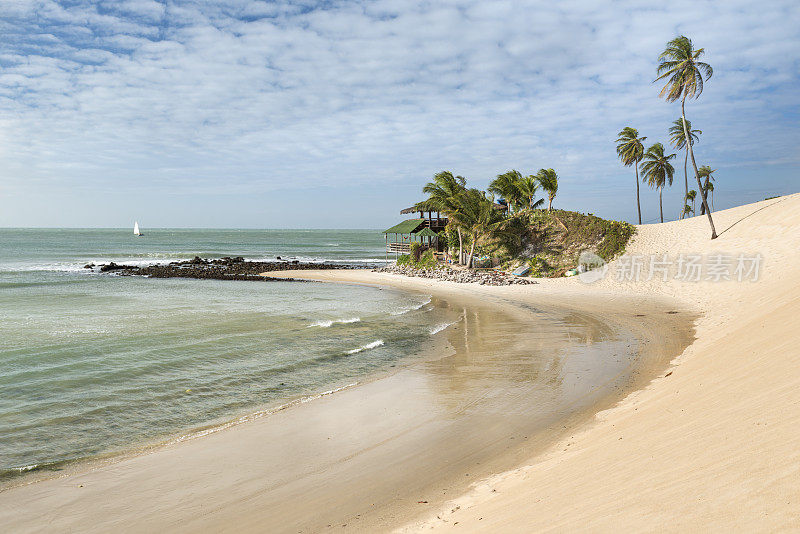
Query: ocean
<point x="92" y="365"/>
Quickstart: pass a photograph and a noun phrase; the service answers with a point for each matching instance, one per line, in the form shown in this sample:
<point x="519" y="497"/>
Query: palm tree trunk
<point x="460" y="245"/>
<point x="472" y="250"/>
<point x="550" y="204"/>
<point x="696" y="172"/>
<point x="638" y="204"/>
<point x="705" y="188"/>
<point x="686" y="174"/>
<point x="660" y="206"/>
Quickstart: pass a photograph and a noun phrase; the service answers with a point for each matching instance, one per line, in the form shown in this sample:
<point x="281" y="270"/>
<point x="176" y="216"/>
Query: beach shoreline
<point x="48" y="498"/>
<point x="706" y="437"/>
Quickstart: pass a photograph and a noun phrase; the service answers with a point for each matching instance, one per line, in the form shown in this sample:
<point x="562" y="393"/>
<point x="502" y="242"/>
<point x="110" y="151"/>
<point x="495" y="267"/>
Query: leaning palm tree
<point x="657" y="171"/>
<point x="630" y="150"/>
<point x="707" y="173"/>
<point x="678" y="140"/>
<point x="506" y="185"/>
<point x="443" y="194"/>
<point x="679" y="62"/>
<point x="548" y="179"/>
<point x="528" y="188"/>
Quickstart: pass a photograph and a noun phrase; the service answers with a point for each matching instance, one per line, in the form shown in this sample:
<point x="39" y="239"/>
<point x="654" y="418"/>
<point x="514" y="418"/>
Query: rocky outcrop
<point x="482" y="277"/>
<point x="112" y="267"/>
<point x="227" y="268"/>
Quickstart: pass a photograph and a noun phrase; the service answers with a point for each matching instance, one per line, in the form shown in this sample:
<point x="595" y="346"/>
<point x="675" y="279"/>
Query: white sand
<point x="716" y="444"/>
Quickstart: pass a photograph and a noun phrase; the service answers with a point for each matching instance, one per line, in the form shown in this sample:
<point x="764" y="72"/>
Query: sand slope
<point x="714" y="444"/>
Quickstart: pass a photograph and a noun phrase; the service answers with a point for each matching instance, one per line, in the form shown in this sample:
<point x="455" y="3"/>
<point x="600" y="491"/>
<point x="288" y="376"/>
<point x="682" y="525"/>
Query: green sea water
<point x="94" y="364"/>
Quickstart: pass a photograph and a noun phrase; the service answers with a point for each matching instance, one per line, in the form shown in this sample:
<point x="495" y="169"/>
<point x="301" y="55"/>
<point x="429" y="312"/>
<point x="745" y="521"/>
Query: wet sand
<point x="516" y="372"/>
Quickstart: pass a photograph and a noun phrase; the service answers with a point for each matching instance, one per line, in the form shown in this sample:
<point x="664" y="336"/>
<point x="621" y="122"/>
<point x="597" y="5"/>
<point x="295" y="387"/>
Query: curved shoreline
<point x="133" y="477"/>
<point x="714" y="443"/>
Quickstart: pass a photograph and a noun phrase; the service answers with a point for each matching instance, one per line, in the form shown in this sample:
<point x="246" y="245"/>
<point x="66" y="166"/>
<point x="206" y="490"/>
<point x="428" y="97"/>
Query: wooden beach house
<point x="428" y="231"/>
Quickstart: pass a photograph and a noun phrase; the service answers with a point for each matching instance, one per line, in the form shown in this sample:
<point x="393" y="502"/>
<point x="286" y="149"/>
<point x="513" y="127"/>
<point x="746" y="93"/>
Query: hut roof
<point x="406" y="227"/>
<point x="422" y="205"/>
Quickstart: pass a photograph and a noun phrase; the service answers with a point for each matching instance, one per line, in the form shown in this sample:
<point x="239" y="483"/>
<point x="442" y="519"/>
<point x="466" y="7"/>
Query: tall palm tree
<point x="678" y="140"/>
<point x="506" y="185"/>
<point x="630" y="150"/>
<point x="528" y="189"/>
<point x="706" y="173"/>
<point x="657" y="171"/>
<point x="478" y="216"/>
<point x="548" y="179"/>
<point x="681" y="64"/>
<point x="443" y="193"/>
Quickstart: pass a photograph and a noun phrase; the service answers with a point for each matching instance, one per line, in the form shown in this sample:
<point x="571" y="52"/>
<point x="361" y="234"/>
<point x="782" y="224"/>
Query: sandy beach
<point x="698" y="429"/>
<point x="714" y="444"/>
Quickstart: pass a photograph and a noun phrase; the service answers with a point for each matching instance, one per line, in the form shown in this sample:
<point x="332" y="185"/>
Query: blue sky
<point x="334" y="114"/>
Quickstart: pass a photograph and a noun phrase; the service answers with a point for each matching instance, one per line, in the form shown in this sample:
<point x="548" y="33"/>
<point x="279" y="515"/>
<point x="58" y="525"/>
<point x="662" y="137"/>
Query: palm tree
<point x="707" y="172"/>
<point x="657" y="171"/>
<point x="477" y="215"/>
<point x="678" y="140"/>
<point x="690" y="196"/>
<point x="710" y="188"/>
<point x="548" y="179"/>
<point x="506" y="185"/>
<point x="630" y="150"/>
<point x="687" y="209"/>
<point x="528" y="188"/>
<point x="680" y="63"/>
<point x="443" y="194"/>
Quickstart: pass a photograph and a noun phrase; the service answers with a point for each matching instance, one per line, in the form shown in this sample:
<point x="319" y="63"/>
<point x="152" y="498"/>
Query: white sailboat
<point x="136" y="229"/>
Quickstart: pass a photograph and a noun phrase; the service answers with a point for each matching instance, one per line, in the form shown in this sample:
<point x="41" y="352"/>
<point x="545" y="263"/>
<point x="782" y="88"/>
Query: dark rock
<point x="114" y="267"/>
<point x="89" y="266"/>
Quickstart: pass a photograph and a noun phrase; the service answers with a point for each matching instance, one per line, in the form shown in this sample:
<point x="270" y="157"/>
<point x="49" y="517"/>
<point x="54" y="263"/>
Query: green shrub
<point x="427" y="260"/>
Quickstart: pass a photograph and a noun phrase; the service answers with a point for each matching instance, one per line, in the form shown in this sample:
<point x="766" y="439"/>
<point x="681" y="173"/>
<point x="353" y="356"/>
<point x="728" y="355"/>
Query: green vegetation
<point x="517" y="230"/>
<point x="657" y="171"/>
<point x="550" y="242"/>
<point x="631" y="151"/>
<point x="678" y="140"/>
<point x="426" y="261"/>
<point x="706" y="173"/>
<point x="680" y="65"/>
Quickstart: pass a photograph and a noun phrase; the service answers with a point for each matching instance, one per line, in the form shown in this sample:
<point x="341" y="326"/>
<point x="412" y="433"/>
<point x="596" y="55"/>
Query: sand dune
<point x="716" y="443"/>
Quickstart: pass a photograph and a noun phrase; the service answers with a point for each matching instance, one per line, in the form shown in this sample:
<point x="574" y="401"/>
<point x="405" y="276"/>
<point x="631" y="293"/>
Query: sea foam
<point x="368" y="346"/>
<point x="328" y="324"/>
<point x="440" y="327"/>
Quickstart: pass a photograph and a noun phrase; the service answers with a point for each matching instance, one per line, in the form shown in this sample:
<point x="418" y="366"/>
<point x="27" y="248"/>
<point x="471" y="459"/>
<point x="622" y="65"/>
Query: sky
<point x="249" y="114"/>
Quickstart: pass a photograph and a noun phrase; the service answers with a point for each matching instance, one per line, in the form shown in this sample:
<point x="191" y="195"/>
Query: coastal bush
<point x="427" y="260"/>
<point x="415" y="250"/>
<point x="551" y="242"/>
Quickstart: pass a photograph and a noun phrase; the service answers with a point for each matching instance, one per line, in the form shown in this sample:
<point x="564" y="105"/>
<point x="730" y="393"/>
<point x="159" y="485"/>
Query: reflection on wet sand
<point x="495" y="386"/>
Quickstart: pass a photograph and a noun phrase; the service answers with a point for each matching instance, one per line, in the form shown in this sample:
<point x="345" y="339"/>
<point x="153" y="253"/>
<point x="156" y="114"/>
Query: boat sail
<point x="136" y="229"/>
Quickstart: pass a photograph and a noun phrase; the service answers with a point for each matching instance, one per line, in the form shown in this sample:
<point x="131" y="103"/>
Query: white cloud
<point x="254" y="96"/>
